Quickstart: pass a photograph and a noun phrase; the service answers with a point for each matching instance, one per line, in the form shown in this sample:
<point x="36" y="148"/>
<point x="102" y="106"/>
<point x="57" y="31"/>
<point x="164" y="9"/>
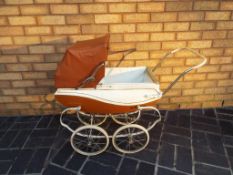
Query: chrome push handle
<point x="203" y="62"/>
<point x="125" y="53"/>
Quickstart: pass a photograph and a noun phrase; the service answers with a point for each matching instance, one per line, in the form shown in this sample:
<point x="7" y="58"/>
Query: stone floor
<point x="198" y="142"/>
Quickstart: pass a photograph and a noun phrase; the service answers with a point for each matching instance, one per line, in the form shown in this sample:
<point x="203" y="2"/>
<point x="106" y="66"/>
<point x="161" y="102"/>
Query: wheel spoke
<point x="130" y="139"/>
<point x="122" y="142"/>
<point x="84" y="140"/>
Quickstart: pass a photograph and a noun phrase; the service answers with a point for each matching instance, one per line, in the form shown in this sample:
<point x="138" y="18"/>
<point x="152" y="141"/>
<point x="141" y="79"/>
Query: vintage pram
<point x="96" y="93"/>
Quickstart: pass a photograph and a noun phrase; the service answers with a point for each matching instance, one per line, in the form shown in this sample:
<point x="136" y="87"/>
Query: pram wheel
<point x="127" y="118"/>
<point x="130" y="138"/>
<point x="91" y="119"/>
<point x="89" y="140"/>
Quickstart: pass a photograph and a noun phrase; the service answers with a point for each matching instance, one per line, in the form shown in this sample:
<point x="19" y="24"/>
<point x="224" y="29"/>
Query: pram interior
<point x="126" y="75"/>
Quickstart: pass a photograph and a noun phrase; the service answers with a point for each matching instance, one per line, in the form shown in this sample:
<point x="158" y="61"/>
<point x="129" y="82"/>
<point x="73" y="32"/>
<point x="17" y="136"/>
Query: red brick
<point x="122" y="8"/>
<point x="216" y="90"/>
<point x="94" y="29"/>
<point x="148" y="46"/>
<point x="200" y="44"/>
<point x="107" y="18"/>
<point x="13" y="91"/>
<point x="225" y="25"/>
<point x="209" y="68"/>
<point x="48" y="2"/>
<point x="17" y="2"/>
<point x="212" y="52"/>
<point x="223" y="43"/>
<point x="217" y="15"/>
<point x="205" y="84"/>
<point x="203" y="97"/>
<point x="5" y="84"/>
<point x="163" y="17"/>
<point x="202" y="25"/>
<point x="6" y="40"/>
<point x="192" y="91"/>
<point x="8" y="59"/>
<point x="162" y="36"/>
<point x="151" y="7"/>
<point x="17" y="106"/>
<point x="34" y="10"/>
<point x="4" y="99"/>
<point x="51" y="20"/>
<point x="18" y="67"/>
<point x="178" y="6"/>
<point x="173" y="44"/>
<point x="34" y="75"/>
<point x="151" y="27"/>
<point x="225" y="82"/>
<point x="226" y="5"/>
<point x="93" y="8"/>
<point x="49" y="82"/>
<point x="146" y="63"/>
<point x="31" y="58"/>
<point x="45" y="66"/>
<point x="12" y="31"/>
<point x="28" y="98"/>
<point x="123" y="64"/>
<point x="190" y="16"/>
<point x="3" y="21"/>
<point x="136" y="37"/>
<point x="188" y="35"/>
<point x="122" y="28"/>
<point x="9" y="10"/>
<point x="42" y="49"/>
<point x="64" y="9"/>
<point x="26" y="40"/>
<point x="181" y="99"/>
<point x="22" y="20"/>
<point x="54" y="39"/>
<point x="228" y="67"/>
<point x="38" y="30"/>
<point x="53" y="57"/>
<point x="214" y="34"/>
<point x="75" y="38"/>
<point x="10" y="76"/>
<point x="134" y="18"/>
<point x="67" y="30"/>
<point x="192" y="77"/>
<point x="220" y="60"/>
<point x="213" y="76"/>
<point x="80" y="19"/>
<point x="139" y="55"/>
<point x="38" y="91"/>
<point x="176" y="26"/>
<point x="206" y="5"/>
<point x="23" y="83"/>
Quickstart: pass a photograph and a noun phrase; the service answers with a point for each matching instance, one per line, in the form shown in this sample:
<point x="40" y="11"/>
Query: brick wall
<point x="34" y="35"/>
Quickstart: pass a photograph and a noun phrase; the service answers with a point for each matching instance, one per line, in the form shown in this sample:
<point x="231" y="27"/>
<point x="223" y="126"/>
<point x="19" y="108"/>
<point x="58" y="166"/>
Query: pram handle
<point x="92" y="76"/>
<point x="101" y="65"/>
<point x="204" y="60"/>
<point x="127" y="52"/>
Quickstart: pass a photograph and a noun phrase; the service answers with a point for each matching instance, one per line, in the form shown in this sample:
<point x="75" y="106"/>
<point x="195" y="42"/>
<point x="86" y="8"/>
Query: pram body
<point x="121" y="93"/>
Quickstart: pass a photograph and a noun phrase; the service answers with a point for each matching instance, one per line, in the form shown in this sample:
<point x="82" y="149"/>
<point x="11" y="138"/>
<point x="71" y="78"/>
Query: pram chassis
<point x="98" y="142"/>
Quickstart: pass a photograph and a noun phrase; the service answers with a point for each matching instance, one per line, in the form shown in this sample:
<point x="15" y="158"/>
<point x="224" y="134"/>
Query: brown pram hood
<point x="79" y="62"/>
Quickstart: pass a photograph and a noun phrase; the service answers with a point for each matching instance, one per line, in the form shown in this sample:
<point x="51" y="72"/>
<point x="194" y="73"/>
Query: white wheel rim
<point x="143" y="130"/>
<point x="93" y="127"/>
